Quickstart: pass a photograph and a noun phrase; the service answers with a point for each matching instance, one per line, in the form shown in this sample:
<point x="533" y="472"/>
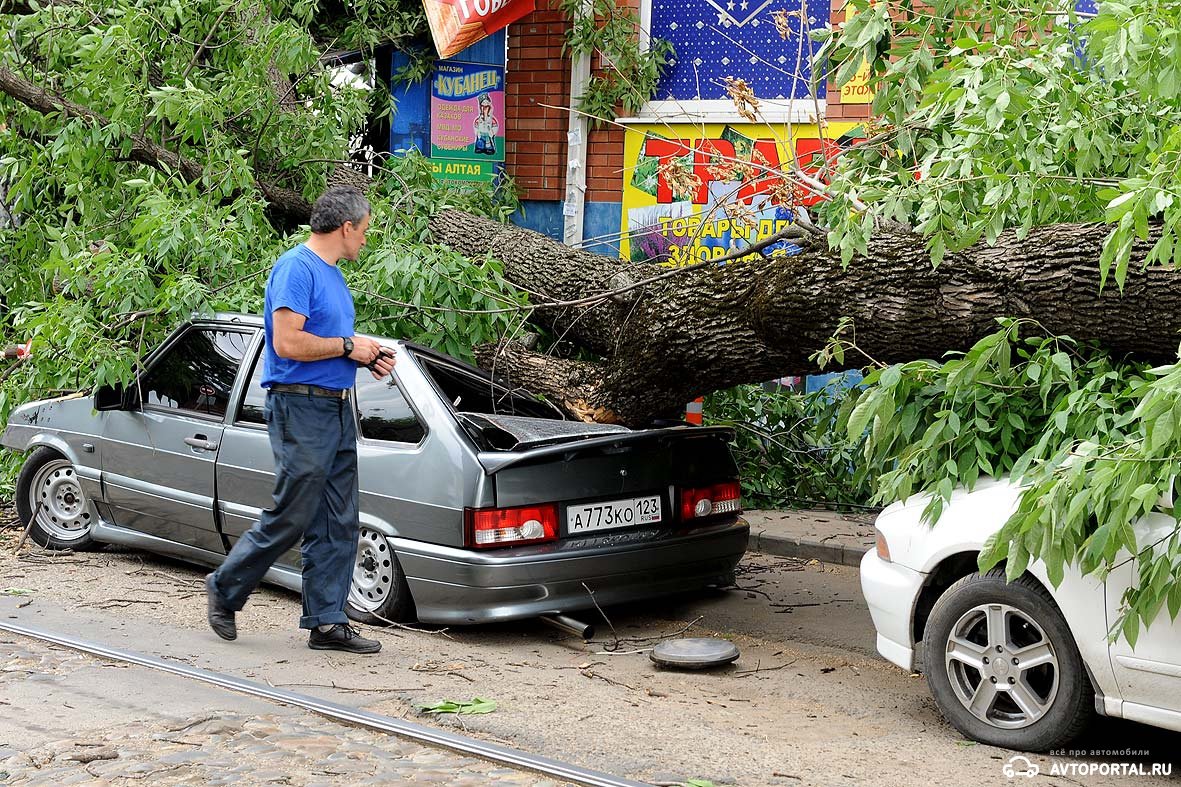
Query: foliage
<point x="629" y="76"/>
<point x="789" y="451"/>
<point x="1094" y="445"/>
<point x="996" y="115"/>
<point x="106" y="254"/>
<point x="476" y="705"/>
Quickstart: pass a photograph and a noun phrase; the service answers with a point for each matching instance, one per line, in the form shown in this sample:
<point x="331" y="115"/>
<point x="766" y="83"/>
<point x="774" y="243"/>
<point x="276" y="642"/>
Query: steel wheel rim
<point x="1003" y="667"/>
<point x="373" y="572"/>
<point x="58" y="504"/>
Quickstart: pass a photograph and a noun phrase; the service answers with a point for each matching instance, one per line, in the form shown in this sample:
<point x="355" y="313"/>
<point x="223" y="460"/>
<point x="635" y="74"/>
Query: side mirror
<point x="111" y="397"/>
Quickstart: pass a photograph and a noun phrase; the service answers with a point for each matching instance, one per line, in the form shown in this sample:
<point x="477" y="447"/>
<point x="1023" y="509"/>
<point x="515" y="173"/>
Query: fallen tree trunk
<point x="757" y="319"/>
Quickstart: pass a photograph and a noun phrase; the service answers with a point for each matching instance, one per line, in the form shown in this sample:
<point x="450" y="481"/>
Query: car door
<point x="246" y="464"/>
<point x="159" y="458"/>
<point x="1149" y="675"/>
<point x="390" y="434"/>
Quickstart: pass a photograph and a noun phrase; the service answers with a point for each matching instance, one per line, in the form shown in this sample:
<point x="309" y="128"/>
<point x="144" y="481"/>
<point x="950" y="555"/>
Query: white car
<point x="1022" y="665"/>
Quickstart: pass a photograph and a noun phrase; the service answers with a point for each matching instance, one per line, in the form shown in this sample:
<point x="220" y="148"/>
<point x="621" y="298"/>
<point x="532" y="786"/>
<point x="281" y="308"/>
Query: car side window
<point x="250" y="411"/>
<point x="385" y="413"/>
<point x="196" y="374"/>
<point x="470" y="393"/>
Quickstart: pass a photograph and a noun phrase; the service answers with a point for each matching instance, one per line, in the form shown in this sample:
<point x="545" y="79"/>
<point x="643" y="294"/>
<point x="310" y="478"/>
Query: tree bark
<point x="757" y="319"/>
<point x="289" y="206"/>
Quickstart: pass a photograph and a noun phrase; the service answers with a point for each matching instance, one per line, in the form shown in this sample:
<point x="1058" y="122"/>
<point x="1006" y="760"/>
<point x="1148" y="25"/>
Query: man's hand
<point x="365" y="350"/>
<point x="370" y="354"/>
<point x="383" y="364"/>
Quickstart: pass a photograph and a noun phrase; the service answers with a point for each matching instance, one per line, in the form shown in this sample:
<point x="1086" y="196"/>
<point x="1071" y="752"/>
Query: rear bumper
<point x="890" y="591"/>
<point x="467" y="586"/>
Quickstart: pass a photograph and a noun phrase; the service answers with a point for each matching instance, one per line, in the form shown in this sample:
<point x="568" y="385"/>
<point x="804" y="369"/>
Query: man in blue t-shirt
<point x="309" y="367"/>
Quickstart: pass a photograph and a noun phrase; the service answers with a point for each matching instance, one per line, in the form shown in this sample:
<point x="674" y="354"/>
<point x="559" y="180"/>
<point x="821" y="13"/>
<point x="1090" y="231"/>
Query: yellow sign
<point x="694" y="193"/>
<point x="857" y="90"/>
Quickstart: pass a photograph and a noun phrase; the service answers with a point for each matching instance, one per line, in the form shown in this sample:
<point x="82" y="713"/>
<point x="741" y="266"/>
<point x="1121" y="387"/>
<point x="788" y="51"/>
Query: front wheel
<point x="379" y="594"/>
<point x="1003" y="666"/>
<point x="51" y="504"/>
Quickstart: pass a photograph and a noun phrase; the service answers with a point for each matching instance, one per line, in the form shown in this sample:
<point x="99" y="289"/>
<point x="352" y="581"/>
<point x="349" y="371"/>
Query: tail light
<point x="497" y="527"/>
<point x="706" y="501"/>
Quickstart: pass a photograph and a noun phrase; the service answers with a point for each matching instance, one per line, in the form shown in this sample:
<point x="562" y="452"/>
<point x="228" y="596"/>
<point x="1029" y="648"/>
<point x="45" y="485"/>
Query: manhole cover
<point x="694" y="653"/>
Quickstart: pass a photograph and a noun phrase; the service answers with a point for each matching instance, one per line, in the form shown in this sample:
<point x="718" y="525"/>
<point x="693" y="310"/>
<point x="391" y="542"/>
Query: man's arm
<point x="292" y="341"/>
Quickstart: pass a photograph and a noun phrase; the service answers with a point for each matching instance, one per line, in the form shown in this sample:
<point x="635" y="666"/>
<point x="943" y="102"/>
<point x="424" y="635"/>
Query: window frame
<point x="473" y="371"/>
<point x="676" y="111"/>
<point x="375" y="441"/>
<point x="169" y="344"/>
<point x="256" y="355"/>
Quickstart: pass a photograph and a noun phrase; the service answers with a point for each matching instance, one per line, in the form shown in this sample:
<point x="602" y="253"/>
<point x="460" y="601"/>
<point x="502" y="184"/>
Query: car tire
<point x="991" y="696"/>
<point x="379" y="594"/>
<point x="51" y="504"/>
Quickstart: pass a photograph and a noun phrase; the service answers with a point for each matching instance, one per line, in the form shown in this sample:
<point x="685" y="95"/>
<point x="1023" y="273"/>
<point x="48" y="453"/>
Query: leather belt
<point x="310" y="390"/>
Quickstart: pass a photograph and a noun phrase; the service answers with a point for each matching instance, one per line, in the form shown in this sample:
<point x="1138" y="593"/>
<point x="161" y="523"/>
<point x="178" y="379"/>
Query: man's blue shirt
<point x="307" y="285"/>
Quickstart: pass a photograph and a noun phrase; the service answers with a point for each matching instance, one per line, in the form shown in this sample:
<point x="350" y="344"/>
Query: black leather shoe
<point x="221" y="619"/>
<point x="342" y="637"/>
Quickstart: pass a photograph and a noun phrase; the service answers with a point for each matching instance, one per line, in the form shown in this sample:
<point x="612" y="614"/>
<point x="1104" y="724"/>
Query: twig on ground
<point x="678" y="633"/>
<point x="405" y="627"/>
<point x="592" y="674"/>
<point x="759" y="668"/>
<point x="610" y="625"/>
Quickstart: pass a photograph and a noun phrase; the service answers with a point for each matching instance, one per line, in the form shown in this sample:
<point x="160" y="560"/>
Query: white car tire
<point x="1003" y="666"/>
<point x="51" y="504"/>
<point x="379" y="594"/>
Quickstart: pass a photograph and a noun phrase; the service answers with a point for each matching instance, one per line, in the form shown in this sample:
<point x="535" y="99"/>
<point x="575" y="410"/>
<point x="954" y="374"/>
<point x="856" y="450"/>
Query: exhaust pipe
<point x="569" y="625"/>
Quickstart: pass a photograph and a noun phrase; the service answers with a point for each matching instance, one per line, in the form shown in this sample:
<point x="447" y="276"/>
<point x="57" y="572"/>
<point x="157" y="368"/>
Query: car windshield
<point x="469" y="392"/>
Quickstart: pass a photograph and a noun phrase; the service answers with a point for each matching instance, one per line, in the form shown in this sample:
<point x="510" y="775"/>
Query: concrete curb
<point x="785" y="546"/>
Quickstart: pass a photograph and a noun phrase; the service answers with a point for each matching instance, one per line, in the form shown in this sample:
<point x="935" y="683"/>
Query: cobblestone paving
<point x="217" y="747"/>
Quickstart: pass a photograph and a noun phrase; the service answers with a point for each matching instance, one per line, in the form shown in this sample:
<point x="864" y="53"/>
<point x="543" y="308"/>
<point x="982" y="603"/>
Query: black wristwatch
<point x="348" y="346"/>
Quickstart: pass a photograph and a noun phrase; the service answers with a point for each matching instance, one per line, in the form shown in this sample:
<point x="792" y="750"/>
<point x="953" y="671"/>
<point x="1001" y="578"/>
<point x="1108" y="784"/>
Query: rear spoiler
<point x="495" y="461"/>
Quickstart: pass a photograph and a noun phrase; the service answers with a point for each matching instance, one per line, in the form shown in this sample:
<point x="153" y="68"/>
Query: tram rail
<point x="338" y="712"/>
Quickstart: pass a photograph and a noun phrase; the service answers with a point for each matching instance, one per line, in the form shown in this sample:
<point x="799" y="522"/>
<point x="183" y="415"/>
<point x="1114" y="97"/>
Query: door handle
<point x="199" y="441"/>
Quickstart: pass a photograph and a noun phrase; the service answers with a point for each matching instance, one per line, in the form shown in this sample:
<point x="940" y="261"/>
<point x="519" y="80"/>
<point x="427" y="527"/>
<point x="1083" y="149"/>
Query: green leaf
<point x="476" y="705"/>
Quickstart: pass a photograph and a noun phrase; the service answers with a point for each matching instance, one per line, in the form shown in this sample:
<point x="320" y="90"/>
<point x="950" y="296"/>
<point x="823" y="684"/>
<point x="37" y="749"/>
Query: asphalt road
<point x="808" y="701"/>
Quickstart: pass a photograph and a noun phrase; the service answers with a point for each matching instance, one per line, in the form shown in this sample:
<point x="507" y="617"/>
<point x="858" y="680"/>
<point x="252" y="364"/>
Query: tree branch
<point x="290" y="206"/>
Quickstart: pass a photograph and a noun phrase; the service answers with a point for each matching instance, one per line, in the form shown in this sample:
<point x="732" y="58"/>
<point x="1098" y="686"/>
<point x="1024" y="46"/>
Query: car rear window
<point x="469" y="392"/>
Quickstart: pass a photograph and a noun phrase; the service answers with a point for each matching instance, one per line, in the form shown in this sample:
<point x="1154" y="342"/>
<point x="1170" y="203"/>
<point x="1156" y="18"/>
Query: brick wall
<point x="535" y="135"/>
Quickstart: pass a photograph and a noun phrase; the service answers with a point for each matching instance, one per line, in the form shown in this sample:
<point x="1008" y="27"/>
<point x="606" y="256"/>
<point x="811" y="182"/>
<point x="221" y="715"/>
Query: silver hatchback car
<point x="479" y="502"/>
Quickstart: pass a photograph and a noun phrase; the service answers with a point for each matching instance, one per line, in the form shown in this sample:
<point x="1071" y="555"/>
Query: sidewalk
<point x="827" y="536"/>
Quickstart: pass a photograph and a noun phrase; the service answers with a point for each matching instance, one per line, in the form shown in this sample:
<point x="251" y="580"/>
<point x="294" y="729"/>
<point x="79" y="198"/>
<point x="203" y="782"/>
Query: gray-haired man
<point x="310" y="365"/>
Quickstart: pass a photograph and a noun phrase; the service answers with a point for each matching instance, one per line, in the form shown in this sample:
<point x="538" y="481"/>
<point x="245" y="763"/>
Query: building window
<point x="716" y="39"/>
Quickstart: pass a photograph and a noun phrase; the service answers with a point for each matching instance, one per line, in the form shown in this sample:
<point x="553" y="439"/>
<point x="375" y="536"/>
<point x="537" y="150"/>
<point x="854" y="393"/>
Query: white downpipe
<point x="576" y="144"/>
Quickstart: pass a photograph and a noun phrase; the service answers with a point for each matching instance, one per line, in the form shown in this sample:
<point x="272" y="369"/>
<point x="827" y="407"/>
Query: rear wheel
<point x="379" y="593"/>
<point x="1003" y="666"/>
<point x="51" y="504"/>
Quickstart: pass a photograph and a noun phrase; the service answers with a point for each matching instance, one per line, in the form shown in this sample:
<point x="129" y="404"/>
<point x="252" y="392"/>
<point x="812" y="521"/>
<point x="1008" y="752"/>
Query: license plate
<point x="611" y="514"/>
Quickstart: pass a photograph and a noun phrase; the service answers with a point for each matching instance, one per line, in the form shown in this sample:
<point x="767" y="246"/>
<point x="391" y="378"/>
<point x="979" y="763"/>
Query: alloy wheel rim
<point x="1002" y="666"/>
<point x="373" y="571"/>
<point x="61" y="509"/>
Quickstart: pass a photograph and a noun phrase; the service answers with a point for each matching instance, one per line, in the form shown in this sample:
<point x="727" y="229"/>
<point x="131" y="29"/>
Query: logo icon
<point x="1020" y="766"/>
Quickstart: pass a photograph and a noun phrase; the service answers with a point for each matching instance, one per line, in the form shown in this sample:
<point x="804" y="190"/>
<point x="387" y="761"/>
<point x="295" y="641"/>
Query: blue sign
<point x="715" y="39"/>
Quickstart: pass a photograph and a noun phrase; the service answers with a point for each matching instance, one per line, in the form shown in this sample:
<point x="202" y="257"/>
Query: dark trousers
<point x="314" y="439"/>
